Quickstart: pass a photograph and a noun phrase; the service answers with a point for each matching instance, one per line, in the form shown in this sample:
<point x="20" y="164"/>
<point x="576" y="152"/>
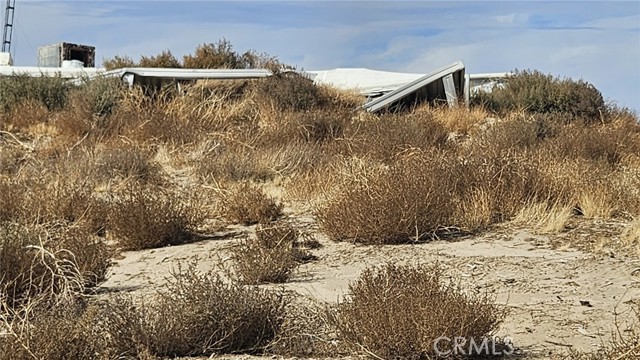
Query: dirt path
<point x="558" y="299"/>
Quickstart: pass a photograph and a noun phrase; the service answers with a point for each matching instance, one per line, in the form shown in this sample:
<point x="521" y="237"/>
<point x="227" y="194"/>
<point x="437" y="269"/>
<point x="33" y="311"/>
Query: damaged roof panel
<point x="443" y="84"/>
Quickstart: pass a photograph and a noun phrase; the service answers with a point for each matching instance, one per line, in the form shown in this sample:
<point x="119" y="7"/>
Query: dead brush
<point x="399" y="311"/>
<point x="248" y="204"/>
<point x="384" y="137"/>
<point x="272" y="256"/>
<point x="39" y="332"/>
<point x="200" y="314"/>
<point x="308" y="332"/>
<point x="13" y="196"/>
<point x="126" y="161"/>
<point x="33" y="265"/>
<point x="544" y="217"/>
<point x="410" y="201"/>
<point x="149" y="217"/>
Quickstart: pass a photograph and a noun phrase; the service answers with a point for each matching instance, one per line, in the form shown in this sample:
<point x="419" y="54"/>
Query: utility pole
<point x="8" y="25"/>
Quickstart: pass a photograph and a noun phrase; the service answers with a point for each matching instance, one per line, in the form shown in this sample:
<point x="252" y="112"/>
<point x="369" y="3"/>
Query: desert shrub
<point x="386" y="136"/>
<point x="234" y="164"/>
<point x="118" y="62"/>
<point x="308" y="332"/>
<point x="290" y="91"/>
<point x="12" y="159"/>
<point x="44" y="201"/>
<point x="126" y="161"/>
<point x="607" y="143"/>
<point x="199" y="314"/>
<point x="399" y="311"/>
<point x="408" y="202"/>
<point x="101" y="97"/>
<point x="221" y="55"/>
<point x="52" y="91"/>
<point x="35" y="264"/>
<point x="515" y="133"/>
<point x="68" y="331"/>
<point x="272" y="256"/>
<point x="254" y="263"/>
<point x="163" y="60"/>
<point x="309" y="127"/>
<point x="426" y="194"/>
<point x="25" y="118"/>
<point x="143" y="218"/>
<point x="215" y="56"/>
<point x="12" y="199"/>
<point x="536" y="92"/>
<point x="248" y="204"/>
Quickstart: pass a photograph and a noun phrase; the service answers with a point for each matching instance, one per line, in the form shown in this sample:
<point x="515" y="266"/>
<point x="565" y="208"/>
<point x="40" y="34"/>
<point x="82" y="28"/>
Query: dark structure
<point x="55" y="55"/>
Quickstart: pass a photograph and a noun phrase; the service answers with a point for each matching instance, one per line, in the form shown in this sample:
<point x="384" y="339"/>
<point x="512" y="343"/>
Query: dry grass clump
<point x="399" y="311"/>
<point x="195" y="314"/>
<point x="272" y="256"/>
<point x="290" y="91"/>
<point x="199" y="314"/>
<point x="37" y="262"/>
<point x="248" y="204"/>
<point x="72" y="330"/>
<point x="408" y="202"/>
<point x="315" y="127"/>
<point x="225" y="161"/>
<point x="12" y="199"/>
<point x="384" y="137"/>
<point x="126" y="162"/>
<point x="144" y="218"/>
<point x="459" y="120"/>
<point x="308" y="332"/>
<point x="544" y="218"/>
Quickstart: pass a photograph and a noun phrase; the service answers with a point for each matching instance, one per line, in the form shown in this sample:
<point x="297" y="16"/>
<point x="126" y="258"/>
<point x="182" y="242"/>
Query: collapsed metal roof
<point x="443" y="84"/>
<point x="384" y="90"/>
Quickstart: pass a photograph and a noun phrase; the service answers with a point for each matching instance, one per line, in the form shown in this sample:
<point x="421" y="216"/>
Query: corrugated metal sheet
<point x="427" y="88"/>
<point x="67" y="73"/>
<point x="367" y="82"/>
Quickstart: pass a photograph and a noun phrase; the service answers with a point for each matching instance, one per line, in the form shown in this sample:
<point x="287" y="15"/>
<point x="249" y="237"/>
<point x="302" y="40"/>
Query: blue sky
<point x="598" y="41"/>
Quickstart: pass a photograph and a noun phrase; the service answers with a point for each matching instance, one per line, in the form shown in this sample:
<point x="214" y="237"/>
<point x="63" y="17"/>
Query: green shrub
<point x="52" y="92"/>
<point x="399" y="311"/>
<point x="536" y="92"/>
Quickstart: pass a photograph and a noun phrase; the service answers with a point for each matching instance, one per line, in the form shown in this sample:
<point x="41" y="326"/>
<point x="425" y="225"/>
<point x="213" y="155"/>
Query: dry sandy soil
<point x="559" y="297"/>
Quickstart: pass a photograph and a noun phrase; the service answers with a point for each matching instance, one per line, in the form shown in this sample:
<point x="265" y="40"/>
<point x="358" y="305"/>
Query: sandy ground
<point x="558" y="297"/>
